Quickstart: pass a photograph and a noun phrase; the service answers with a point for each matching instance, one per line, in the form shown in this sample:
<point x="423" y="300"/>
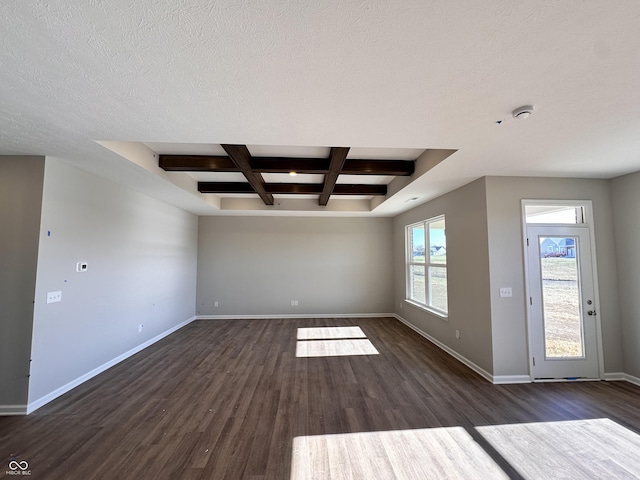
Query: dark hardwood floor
<point x="230" y="400"/>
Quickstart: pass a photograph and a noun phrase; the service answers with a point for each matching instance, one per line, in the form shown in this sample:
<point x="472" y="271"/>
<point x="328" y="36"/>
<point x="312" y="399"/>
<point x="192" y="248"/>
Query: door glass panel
<point x="563" y="332"/>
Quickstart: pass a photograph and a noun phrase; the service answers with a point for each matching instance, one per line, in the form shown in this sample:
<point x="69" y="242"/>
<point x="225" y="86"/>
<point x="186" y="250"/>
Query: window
<point x="554" y="214"/>
<point x="427" y="265"/>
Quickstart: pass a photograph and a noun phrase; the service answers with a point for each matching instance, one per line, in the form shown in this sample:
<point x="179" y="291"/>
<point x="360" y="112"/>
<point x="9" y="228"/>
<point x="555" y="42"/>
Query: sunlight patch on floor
<point x="333" y="342"/>
<point x="433" y="453"/>
<point x="335" y="348"/>
<point x="595" y="448"/>
<point x="327" y="333"/>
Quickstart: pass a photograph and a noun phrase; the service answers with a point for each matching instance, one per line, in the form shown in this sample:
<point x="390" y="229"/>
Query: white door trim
<point x="588" y="217"/>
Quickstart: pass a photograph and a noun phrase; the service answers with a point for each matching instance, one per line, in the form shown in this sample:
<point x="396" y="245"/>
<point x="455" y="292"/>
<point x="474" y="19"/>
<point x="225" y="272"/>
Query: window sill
<point x="438" y="313"/>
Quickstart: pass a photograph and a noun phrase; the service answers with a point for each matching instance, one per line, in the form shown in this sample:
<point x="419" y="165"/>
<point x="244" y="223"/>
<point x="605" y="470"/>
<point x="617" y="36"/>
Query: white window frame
<point x="409" y="263"/>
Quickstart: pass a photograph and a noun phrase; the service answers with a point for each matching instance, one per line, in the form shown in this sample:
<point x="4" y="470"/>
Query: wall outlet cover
<point x="54" y="297"/>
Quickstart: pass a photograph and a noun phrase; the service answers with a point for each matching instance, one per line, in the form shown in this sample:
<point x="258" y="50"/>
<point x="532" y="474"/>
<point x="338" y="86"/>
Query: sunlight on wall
<point x="333" y="342"/>
<point x="596" y="448"/>
<point x="409" y="454"/>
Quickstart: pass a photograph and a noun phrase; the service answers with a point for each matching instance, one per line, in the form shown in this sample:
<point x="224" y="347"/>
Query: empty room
<point x="319" y="240"/>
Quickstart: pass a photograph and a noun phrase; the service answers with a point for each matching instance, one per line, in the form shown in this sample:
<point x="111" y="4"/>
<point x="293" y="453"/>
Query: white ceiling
<point x="369" y="75"/>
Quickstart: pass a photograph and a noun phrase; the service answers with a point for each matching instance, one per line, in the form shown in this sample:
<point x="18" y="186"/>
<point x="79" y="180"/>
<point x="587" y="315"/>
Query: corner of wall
<point x="21" y="183"/>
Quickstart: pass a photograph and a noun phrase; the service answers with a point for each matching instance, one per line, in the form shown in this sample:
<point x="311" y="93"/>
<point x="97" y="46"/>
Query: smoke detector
<point x="523" y="112"/>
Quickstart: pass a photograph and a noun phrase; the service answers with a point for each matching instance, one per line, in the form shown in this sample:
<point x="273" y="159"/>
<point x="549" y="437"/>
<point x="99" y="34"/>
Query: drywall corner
<point x="21" y="180"/>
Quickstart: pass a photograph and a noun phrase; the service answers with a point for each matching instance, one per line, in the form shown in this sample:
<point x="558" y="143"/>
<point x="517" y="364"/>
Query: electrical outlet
<point x="457" y="333"/>
<point x="140" y="328"/>
<point x="54" y="297"/>
<point x="295" y="303"/>
<point x="506" y="292"/>
<point x="215" y="304"/>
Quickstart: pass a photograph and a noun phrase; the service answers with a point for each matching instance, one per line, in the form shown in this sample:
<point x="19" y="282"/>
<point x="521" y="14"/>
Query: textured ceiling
<point x="371" y="75"/>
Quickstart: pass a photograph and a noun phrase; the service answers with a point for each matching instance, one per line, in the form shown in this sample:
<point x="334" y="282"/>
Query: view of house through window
<point x="427" y="264"/>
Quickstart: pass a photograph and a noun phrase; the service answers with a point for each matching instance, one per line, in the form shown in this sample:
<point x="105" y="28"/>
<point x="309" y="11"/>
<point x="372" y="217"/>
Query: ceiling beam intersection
<point x="242" y="158"/>
<point x="337" y="157"/>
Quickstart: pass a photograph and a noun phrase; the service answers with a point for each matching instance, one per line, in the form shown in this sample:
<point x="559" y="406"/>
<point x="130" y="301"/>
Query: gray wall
<point x="142" y="257"/>
<point x="485" y="252"/>
<point x="504" y="195"/>
<point x="257" y="265"/>
<point x="20" y="202"/>
<point x="468" y="273"/>
<point x="626" y="219"/>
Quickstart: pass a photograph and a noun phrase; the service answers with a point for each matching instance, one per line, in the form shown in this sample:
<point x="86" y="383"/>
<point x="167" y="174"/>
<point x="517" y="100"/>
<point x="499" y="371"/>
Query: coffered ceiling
<point x="113" y="87"/>
<point x="238" y="170"/>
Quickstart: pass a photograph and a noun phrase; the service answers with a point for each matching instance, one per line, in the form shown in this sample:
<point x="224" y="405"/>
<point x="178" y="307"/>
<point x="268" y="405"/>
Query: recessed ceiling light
<point x="523" y="112"/>
<point x="412" y="199"/>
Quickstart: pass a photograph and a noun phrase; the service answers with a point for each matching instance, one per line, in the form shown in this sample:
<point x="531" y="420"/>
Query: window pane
<point x="437" y="242"/>
<point x="554" y="214"/>
<point x="438" y="287"/>
<point x="417" y="244"/>
<point x="416" y="281"/>
<point x="561" y="297"/>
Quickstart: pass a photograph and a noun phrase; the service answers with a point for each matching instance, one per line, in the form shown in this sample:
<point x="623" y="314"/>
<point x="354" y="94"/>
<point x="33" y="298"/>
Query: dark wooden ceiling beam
<point x="291" y="188"/>
<point x="337" y="157"/>
<point x="218" y="163"/>
<point x="225" y="187"/>
<point x="197" y="163"/>
<point x="357" y="189"/>
<point x="242" y="158"/>
<point x="286" y="165"/>
<point x="295" y="188"/>
<point x="378" y="167"/>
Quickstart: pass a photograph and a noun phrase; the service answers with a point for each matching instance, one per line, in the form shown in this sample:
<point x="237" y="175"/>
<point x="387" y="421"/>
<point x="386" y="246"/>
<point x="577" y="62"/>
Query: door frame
<point x="588" y="223"/>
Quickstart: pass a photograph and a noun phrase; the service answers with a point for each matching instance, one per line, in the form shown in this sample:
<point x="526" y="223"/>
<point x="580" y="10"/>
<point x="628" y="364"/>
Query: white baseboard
<point x="480" y="371"/>
<point x="32" y="406"/>
<point x="7" y="410"/>
<point x="509" y="379"/>
<point x="619" y="376"/>
<point x="306" y="315"/>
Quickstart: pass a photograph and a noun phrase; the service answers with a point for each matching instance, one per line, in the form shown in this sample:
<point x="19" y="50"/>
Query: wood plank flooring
<point x="229" y="399"/>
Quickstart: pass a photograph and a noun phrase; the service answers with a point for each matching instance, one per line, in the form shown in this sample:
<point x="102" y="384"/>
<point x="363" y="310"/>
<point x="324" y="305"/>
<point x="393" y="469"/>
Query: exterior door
<point x="562" y="310"/>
